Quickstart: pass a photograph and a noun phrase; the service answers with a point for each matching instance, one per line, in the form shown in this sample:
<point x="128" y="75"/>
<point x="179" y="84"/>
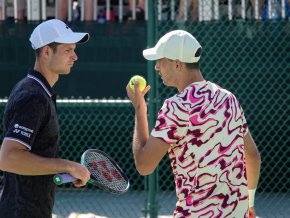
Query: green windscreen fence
<point x="249" y="58"/>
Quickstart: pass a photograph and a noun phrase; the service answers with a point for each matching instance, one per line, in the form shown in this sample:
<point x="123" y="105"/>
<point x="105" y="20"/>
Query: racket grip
<point x="63" y="178"/>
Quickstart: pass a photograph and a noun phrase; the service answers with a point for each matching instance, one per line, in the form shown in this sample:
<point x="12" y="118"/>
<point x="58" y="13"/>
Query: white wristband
<point x="251" y="197"/>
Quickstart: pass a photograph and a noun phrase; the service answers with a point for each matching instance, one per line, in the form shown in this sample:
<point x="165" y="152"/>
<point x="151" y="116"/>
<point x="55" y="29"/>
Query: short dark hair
<point x="194" y="66"/>
<point x="52" y="45"/>
<point x="190" y="66"/>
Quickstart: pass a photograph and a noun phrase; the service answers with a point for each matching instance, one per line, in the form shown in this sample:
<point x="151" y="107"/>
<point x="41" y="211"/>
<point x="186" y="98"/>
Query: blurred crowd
<point x="136" y="9"/>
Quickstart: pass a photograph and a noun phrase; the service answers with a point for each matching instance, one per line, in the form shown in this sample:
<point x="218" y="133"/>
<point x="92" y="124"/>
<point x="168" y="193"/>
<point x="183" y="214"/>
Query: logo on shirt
<point x="22" y="130"/>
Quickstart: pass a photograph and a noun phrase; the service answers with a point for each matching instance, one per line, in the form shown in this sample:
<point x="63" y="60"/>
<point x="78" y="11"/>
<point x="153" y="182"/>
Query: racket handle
<point x="63" y="178"/>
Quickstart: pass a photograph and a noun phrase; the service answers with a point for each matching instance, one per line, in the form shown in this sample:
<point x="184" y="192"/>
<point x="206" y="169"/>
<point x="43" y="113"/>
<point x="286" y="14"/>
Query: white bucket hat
<point x="175" y="45"/>
<point x="55" y="30"/>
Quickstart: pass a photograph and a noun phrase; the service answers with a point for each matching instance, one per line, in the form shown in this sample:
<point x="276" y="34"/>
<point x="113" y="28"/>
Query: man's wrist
<point x="251" y="197"/>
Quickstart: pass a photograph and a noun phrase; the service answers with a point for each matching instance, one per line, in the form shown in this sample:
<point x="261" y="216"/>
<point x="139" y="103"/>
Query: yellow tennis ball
<point x="140" y="79"/>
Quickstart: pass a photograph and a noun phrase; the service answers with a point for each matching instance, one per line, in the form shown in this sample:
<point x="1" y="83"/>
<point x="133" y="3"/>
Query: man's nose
<point x="156" y="67"/>
<point x="75" y="57"/>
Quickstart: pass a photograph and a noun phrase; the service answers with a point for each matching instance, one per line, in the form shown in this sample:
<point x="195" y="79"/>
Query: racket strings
<point x="105" y="172"/>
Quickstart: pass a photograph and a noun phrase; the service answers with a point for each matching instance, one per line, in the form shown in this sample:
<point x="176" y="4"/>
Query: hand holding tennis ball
<point x="141" y="81"/>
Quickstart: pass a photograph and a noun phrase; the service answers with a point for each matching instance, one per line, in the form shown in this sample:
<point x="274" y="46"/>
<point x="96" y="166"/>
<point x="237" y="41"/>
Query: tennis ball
<point x="140" y="79"/>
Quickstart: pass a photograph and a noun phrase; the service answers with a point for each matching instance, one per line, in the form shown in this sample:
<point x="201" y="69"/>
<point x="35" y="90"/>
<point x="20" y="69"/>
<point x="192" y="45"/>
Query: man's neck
<point x="47" y="74"/>
<point x="191" y="77"/>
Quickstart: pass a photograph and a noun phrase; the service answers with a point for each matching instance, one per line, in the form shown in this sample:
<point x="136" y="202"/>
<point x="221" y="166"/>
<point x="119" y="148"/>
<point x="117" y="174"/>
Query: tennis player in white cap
<point x="28" y="155"/>
<point x="215" y="162"/>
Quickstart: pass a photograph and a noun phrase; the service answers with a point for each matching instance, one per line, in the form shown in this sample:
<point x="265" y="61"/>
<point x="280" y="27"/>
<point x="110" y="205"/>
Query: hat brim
<point x="73" y="38"/>
<point x="151" y="54"/>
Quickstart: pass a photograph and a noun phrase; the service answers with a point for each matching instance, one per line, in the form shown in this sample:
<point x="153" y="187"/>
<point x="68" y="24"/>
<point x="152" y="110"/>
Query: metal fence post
<point x="152" y="201"/>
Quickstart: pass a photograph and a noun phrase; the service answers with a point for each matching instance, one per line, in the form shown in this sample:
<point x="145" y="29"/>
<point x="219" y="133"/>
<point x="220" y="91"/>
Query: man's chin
<point x="66" y="73"/>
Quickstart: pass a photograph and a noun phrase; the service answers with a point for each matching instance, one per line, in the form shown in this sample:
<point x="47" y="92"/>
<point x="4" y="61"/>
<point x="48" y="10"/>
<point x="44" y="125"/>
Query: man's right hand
<point x="81" y="173"/>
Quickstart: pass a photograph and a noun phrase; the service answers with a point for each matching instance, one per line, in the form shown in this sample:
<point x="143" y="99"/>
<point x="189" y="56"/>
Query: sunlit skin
<point x="54" y="63"/>
<point x="165" y="68"/>
<point x="63" y="59"/>
<point x="175" y="73"/>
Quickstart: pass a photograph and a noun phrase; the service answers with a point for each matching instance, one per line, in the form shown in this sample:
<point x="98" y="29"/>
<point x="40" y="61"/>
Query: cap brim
<point x="73" y="38"/>
<point x="151" y="54"/>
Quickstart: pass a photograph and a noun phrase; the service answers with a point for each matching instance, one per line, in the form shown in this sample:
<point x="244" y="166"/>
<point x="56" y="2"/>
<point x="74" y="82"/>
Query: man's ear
<point x="46" y="51"/>
<point x="178" y="65"/>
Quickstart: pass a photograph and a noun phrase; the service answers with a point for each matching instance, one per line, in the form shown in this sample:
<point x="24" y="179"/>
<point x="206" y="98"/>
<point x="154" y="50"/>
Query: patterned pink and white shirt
<point x="205" y="126"/>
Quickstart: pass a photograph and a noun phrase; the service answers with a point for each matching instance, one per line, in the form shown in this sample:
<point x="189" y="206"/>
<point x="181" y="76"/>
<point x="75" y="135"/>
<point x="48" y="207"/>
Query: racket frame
<point x="65" y="178"/>
<point x="94" y="180"/>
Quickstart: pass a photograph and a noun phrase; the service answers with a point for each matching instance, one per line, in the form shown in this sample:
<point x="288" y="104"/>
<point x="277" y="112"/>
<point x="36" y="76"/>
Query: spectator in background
<point x="208" y="13"/>
<point x="112" y="13"/>
<point x="62" y="9"/>
<point x="102" y="15"/>
<point x="193" y="8"/>
<point x="1" y="11"/>
<point x="89" y="9"/>
<point x="140" y="10"/>
<point x="21" y="6"/>
<point x="260" y="8"/>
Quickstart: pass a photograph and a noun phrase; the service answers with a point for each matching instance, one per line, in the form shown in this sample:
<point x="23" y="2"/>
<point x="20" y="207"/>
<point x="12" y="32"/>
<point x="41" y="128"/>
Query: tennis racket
<point x="105" y="172"/>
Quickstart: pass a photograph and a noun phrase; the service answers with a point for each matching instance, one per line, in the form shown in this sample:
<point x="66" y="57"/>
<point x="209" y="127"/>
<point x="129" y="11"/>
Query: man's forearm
<point x="23" y="162"/>
<point x="253" y="161"/>
<point x="253" y="171"/>
<point x="140" y="136"/>
<point x="141" y="132"/>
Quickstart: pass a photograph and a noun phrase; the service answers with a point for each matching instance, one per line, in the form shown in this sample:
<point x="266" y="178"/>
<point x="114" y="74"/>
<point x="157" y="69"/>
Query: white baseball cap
<point x="175" y="45"/>
<point x="55" y="30"/>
